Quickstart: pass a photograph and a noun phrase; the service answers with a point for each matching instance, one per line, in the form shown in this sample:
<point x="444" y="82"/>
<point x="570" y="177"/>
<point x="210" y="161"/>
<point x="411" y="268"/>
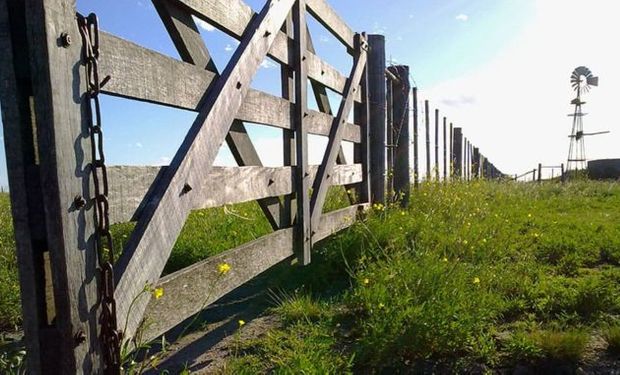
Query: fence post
<point x="465" y="167"/>
<point x="539" y="172"/>
<point x="476" y="163"/>
<point x="451" y="148"/>
<point x="445" y="152"/>
<point x="400" y="108"/>
<point x="416" y="155"/>
<point x="389" y="135"/>
<point x="457" y="149"/>
<point x="376" y="123"/>
<point x="47" y="169"/>
<point x="437" y="144"/>
<point x="562" y="172"/>
<point x="428" y="140"/>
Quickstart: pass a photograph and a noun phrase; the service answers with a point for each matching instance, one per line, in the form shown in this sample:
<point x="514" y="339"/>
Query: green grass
<point x="479" y="273"/>
<point x="10" y="308"/>
<point x="611" y="335"/>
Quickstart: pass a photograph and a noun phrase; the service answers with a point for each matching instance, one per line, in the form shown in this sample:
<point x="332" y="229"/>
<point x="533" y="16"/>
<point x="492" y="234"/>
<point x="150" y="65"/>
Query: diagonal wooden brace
<point x="322" y="181"/>
<point x="183" y="184"/>
<point x="192" y="49"/>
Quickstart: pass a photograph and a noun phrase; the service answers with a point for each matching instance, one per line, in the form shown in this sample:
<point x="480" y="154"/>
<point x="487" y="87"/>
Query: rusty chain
<point x="110" y="335"/>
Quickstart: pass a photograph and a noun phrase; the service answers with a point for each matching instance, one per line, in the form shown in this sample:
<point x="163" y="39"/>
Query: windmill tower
<point x="581" y="80"/>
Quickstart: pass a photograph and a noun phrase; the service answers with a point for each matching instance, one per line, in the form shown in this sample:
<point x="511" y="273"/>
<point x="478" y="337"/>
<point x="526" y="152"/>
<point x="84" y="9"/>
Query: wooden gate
<point x="43" y="97"/>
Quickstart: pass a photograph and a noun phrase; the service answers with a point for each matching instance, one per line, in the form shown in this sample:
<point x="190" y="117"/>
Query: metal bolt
<point x="79" y="202"/>
<point x="65" y="40"/>
<point x="80" y="337"/>
<point x="186" y="188"/>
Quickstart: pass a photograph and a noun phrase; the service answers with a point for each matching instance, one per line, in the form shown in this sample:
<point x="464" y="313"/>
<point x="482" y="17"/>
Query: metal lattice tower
<point x="581" y="80"/>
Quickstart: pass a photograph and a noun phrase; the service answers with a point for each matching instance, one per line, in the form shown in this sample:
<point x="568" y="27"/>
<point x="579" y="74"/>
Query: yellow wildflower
<point x="402" y="213"/>
<point x="529" y="215"/>
<point x="476" y="280"/>
<point x="241" y="323"/>
<point x="381" y="305"/>
<point x="158" y="293"/>
<point x="444" y="259"/>
<point x="366" y="281"/>
<point x="223" y="268"/>
<point x="464" y="242"/>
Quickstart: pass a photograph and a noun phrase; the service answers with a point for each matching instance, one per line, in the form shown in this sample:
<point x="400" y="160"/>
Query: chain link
<point x="110" y="336"/>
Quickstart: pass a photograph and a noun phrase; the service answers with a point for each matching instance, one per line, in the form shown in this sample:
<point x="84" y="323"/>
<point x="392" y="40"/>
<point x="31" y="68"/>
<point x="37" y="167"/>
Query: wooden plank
<point x="188" y="291"/>
<point x="139" y="73"/>
<point x="303" y="222"/>
<point x="227" y="185"/>
<point x="233" y="17"/>
<point x="457" y="149"/>
<point x="360" y="150"/>
<point x="151" y="242"/>
<point x="321" y="183"/>
<point x="328" y="17"/>
<point x="378" y="105"/>
<point x="186" y="38"/>
<point x="287" y="85"/>
<point x="436" y="145"/>
<point x="58" y="97"/>
<point x="26" y="197"/>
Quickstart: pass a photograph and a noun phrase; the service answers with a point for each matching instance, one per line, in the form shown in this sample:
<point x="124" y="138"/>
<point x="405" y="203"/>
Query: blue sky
<point x="448" y="44"/>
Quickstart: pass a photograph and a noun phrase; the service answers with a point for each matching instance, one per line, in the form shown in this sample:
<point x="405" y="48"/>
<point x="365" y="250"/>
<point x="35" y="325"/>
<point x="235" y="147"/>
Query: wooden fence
<point x="44" y="94"/>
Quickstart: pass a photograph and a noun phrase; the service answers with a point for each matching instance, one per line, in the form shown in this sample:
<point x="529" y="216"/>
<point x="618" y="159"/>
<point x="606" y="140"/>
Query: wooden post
<point x="451" y="148"/>
<point x="400" y="115"/>
<point x="416" y="156"/>
<point x="534" y="175"/>
<point x="539" y="172"/>
<point x="46" y="146"/>
<point x="465" y="148"/>
<point x="389" y="134"/>
<point x="475" y="167"/>
<point x="377" y="98"/>
<point x="445" y="152"/>
<point x="428" y="140"/>
<point x="361" y="150"/>
<point x="436" y="144"/>
<point x="457" y="149"/>
<point x="303" y="230"/>
<point x="562" y="172"/>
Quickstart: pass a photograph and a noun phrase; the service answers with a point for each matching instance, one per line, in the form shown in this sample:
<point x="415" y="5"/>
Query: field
<point x="480" y="277"/>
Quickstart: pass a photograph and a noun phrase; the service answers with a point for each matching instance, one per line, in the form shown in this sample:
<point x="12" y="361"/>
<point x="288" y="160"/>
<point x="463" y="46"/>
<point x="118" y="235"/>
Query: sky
<point x="497" y="68"/>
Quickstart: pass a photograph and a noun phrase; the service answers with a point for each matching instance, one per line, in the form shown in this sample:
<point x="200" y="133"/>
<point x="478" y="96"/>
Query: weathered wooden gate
<point x="45" y="95"/>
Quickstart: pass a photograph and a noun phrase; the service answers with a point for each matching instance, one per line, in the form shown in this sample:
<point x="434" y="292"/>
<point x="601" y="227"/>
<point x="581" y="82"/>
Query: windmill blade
<point x="597" y="133"/>
<point x="592" y="81"/>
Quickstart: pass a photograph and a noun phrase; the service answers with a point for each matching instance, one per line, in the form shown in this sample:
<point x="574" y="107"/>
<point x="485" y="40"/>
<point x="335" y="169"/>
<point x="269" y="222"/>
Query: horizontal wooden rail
<point x="178" y="84"/>
<point x="228" y="185"/>
<point x="189" y="290"/>
<point x="238" y="15"/>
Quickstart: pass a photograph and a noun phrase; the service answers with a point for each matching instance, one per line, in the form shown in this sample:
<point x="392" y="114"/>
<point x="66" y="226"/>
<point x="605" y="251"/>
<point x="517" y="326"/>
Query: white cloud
<point x="462" y="17"/>
<point x="520" y="100"/>
<point x="229" y="48"/>
<point x="164" y="160"/>
<point x="268" y="64"/>
<point x="204" y="25"/>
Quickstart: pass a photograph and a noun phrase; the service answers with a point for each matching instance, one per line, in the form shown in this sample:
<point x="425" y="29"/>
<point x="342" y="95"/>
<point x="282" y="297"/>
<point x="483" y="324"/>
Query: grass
<point x="10" y="308"/>
<point x="478" y="273"/>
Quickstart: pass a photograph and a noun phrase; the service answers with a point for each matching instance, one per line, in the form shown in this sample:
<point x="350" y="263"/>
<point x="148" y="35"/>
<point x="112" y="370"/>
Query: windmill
<point x="581" y="80"/>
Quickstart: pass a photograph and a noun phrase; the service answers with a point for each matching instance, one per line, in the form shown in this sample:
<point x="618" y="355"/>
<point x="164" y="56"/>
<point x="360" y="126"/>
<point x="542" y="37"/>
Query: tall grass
<point x="472" y="273"/>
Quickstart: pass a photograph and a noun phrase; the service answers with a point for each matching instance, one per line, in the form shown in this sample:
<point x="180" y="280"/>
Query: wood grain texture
<point x="321" y="183"/>
<point x="377" y="116"/>
<point x="188" y="291"/>
<point x="26" y="209"/>
<point x="58" y="93"/>
<point x="226" y="185"/>
<point x="303" y="225"/>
